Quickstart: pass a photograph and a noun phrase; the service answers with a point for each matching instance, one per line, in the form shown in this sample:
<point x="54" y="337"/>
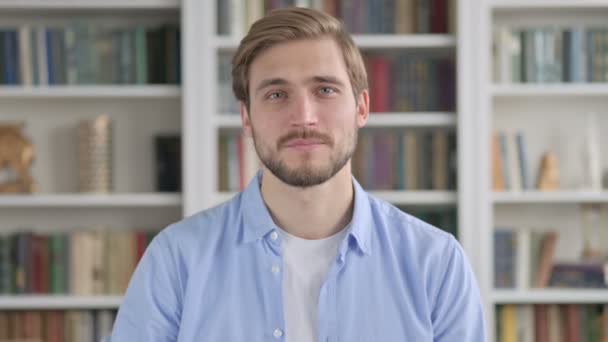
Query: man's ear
<point x="245" y="119"/>
<point x="362" y="108"/>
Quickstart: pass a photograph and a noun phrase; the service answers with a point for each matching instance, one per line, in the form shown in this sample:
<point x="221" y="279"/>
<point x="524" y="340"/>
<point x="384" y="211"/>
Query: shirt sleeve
<point x="458" y="310"/>
<point x="151" y="307"/>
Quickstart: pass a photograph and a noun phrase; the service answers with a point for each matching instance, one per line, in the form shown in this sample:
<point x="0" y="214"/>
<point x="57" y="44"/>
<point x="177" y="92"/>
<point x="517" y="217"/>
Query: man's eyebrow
<point x="327" y="79"/>
<point x="270" y="82"/>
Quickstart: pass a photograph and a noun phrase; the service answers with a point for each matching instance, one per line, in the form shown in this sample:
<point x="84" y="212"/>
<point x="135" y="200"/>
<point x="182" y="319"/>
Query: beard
<point x="306" y="174"/>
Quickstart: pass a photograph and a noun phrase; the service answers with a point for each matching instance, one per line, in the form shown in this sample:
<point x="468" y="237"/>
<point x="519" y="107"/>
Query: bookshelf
<point x="550" y="114"/>
<point x="139" y="113"/>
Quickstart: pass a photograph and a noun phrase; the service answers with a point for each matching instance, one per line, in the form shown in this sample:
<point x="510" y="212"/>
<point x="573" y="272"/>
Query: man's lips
<point x="303" y="142"/>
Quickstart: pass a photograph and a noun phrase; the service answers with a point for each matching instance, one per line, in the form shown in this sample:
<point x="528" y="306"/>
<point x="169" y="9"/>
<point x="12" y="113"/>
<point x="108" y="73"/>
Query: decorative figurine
<point x="16" y="157"/>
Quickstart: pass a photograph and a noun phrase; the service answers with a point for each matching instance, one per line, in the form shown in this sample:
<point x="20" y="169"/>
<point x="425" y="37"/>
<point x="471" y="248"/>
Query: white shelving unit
<point x="51" y="114"/>
<point x="549" y="115"/>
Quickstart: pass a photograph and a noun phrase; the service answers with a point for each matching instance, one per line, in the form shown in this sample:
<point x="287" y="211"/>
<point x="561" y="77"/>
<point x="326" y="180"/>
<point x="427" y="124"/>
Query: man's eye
<point x="275" y="95"/>
<point x="327" y="90"/>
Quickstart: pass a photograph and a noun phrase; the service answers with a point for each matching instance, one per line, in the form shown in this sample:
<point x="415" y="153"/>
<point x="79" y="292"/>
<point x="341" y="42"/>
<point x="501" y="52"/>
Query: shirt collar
<point x="257" y="221"/>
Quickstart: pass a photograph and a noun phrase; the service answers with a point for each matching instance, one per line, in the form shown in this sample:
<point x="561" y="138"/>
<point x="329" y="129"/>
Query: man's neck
<point x="310" y="213"/>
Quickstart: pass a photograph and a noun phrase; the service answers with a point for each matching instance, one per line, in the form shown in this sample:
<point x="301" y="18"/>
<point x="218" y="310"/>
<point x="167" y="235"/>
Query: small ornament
<point x="16" y="157"/>
<point x="548" y="176"/>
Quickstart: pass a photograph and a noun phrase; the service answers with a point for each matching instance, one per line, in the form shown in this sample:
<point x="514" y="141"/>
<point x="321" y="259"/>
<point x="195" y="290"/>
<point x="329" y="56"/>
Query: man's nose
<point x="303" y="112"/>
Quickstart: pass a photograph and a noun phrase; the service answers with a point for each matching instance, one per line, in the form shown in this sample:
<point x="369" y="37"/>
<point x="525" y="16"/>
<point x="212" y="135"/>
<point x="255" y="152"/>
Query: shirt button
<point x="275" y="269"/>
<point x="274" y="235"/>
<point x="277" y="333"/>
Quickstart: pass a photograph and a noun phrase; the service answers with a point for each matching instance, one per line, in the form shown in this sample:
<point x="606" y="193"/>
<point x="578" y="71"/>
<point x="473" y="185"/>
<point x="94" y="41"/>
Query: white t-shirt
<point x="306" y="264"/>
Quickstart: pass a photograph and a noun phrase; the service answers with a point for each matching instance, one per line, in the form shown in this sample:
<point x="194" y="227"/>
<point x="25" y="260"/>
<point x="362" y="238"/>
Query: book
<point x="545" y="263"/>
<point x="168" y="161"/>
<point x="579" y="274"/>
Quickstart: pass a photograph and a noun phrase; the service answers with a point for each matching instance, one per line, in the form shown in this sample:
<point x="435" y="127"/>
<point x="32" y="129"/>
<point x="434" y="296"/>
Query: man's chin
<point x="303" y="178"/>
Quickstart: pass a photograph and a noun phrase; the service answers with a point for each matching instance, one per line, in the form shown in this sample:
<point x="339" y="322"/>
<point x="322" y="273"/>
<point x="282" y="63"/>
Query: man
<point x="303" y="253"/>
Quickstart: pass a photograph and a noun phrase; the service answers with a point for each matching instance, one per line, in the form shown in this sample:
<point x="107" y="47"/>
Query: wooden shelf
<point x="88" y="4"/>
<point x="414" y="119"/>
<point x="548" y="90"/>
<point x="541" y="197"/>
<point x="91" y="91"/>
<point x="91" y="200"/>
<point x="378" y="41"/>
<point x="550" y="296"/>
<point x="38" y="302"/>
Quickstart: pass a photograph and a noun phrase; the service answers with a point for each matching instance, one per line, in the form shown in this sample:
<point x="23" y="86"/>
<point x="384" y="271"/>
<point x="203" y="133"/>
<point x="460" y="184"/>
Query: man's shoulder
<point x="405" y="225"/>
<point x="205" y="224"/>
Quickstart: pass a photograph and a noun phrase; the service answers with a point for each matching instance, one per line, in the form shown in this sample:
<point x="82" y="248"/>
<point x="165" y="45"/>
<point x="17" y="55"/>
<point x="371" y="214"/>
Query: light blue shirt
<point x="216" y="276"/>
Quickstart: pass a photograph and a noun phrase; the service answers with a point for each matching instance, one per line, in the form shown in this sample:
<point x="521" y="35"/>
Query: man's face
<point x="302" y="116"/>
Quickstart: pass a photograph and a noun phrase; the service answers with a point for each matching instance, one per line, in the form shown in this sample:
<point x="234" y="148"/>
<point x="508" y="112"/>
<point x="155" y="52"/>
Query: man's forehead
<point x="300" y="60"/>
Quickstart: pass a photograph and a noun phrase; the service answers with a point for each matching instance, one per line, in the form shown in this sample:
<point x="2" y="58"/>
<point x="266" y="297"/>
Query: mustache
<point x="305" y="134"/>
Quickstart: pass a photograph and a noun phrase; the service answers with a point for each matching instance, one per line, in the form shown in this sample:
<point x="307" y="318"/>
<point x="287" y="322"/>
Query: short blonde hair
<point x="288" y="24"/>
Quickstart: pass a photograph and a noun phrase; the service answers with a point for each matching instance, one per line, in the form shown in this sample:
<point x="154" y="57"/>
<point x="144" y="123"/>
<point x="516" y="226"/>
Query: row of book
<point x="551" y="55"/>
<point x="510" y="168"/>
<point x="238" y="161"/>
<point x="406" y="159"/>
<point x="56" y="326"/>
<point x="397" y="83"/>
<point x="405" y="83"/>
<point x="390" y="16"/>
<point x="80" y="263"/>
<point x="83" y="53"/>
<point x="524" y="258"/>
<point x="552" y="323"/>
